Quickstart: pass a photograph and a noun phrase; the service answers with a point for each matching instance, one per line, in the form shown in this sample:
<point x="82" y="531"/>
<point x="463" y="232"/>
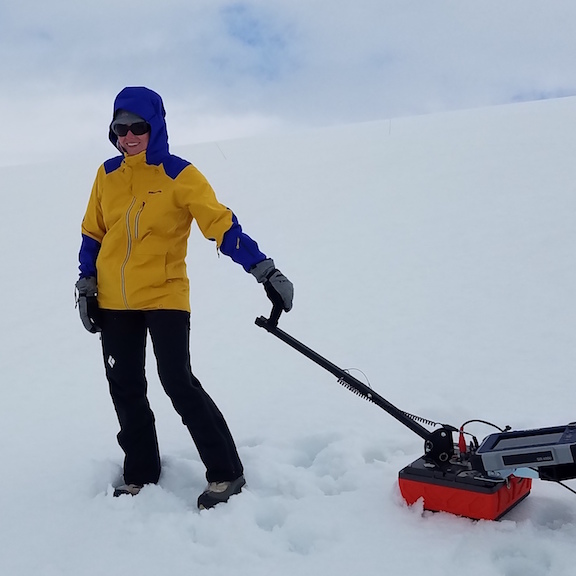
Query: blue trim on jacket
<point x="173" y="165"/>
<point x="88" y="254"/>
<point x="240" y="247"/>
<point x="113" y="164"/>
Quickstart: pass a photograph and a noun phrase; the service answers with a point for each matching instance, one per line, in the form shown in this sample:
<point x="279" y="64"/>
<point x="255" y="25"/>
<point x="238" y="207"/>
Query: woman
<point x="133" y="282"/>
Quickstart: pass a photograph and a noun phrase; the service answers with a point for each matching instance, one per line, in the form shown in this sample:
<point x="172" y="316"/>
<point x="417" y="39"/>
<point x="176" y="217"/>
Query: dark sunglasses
<point x="138" y="128"/>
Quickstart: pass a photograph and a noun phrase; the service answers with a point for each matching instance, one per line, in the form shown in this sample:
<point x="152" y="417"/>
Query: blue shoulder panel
<point x="113" y="164"/>
<point x="173" y="165"/>
<point x="240" y="247"/>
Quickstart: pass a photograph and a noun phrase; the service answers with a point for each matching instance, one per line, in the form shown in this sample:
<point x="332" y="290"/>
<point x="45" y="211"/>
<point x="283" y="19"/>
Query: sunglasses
<point x="138" y="128"/>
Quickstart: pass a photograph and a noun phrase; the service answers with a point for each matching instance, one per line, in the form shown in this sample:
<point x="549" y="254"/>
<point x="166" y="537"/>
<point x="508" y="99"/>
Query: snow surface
<point x="435" y="254"/>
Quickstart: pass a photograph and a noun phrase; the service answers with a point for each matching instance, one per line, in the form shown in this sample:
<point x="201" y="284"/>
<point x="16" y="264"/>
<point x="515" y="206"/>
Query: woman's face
<point x="133" y="144"/>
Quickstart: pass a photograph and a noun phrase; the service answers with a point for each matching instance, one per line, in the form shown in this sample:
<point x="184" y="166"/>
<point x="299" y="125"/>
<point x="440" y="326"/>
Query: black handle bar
<point x="271" y="325"/>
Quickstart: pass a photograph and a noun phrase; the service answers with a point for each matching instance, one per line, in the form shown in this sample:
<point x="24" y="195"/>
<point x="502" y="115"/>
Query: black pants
<point x="124" y="347"/>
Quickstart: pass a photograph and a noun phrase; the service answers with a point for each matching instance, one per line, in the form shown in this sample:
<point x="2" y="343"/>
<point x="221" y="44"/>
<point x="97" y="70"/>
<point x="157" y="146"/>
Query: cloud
<point x="259" y="43"/>
<point x="262" y="64"/>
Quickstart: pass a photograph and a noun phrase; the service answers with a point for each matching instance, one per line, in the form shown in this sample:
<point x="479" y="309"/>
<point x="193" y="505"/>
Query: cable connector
<point x="462" y="442"/>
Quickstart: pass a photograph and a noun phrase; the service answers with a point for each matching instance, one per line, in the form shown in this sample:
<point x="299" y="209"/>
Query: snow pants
<point x="124" y="335"/>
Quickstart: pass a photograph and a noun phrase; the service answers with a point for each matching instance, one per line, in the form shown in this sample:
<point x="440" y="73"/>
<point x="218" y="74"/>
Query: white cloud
<point x="260" y="64"/>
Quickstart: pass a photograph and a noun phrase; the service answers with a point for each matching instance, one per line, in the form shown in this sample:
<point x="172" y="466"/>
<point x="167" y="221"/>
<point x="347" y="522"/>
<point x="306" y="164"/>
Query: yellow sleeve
<point x="214" y="219"/>
<point x="93" y="222"/>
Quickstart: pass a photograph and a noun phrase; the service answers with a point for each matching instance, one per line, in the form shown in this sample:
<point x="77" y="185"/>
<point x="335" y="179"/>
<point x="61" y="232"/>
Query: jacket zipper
<point x="128" y="251"/>
<point x="137" y="220"/>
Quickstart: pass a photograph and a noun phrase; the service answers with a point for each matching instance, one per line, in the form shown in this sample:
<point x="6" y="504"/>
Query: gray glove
<point x="278" y="288"/>
<point x="86" y="292"/>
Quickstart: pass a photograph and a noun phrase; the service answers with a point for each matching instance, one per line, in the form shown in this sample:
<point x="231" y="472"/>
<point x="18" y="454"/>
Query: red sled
<point x="461" y="491"/>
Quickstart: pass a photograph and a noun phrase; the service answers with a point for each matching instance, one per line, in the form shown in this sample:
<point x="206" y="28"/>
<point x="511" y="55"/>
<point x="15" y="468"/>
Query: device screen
<point x="527" y="441"/>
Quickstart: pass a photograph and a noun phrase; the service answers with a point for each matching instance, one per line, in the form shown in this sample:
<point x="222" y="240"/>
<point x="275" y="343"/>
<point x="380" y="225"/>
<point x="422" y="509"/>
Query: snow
<point x="434" y="255"/>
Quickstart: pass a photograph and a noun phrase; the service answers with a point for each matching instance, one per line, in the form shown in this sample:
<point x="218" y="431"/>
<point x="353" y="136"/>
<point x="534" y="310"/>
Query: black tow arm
<point x="438" y="444"/>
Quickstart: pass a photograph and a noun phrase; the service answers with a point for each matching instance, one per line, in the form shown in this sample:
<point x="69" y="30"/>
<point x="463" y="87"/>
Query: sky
<point x="229" y="69"/>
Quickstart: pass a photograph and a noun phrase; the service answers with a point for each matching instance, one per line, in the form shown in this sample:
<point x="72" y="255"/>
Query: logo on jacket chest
<point x="154" y="191"/>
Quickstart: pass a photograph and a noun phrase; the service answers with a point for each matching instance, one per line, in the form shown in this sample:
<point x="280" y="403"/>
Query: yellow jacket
<point x="140" y="217"/>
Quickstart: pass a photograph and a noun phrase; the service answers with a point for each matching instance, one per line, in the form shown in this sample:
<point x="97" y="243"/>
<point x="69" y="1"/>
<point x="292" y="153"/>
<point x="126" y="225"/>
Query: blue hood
<point x="147" y="104"/>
